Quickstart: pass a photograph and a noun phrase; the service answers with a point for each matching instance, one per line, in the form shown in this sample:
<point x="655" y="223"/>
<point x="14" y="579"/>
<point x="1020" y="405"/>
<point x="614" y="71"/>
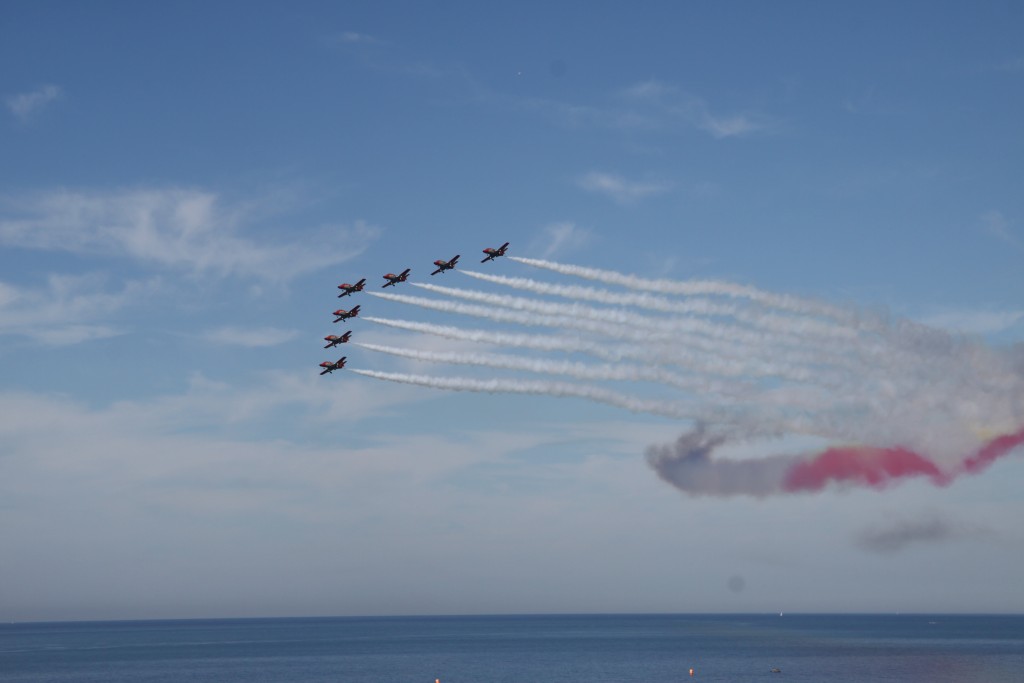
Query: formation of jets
<point x="392" y="279"/>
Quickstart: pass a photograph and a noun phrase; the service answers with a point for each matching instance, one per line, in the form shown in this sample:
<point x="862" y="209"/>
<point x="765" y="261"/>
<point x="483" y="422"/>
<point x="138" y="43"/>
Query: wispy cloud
<point x="618" y="188"/>
<point x="973" y="321"/>
<point x="651" y="90"/>
<point x="188" y="230"/>
<point x="995" y="223"/>
<point x="68" y="310"/>
<point x="249" y="337"/>
<point x="382" y="55"/>
<point x="1015" y="65"/>
<point x="26" y="105"/>
<point x="561" y="237"/>
<point x="895" y="536"/>
<point x="647" y="106"/>
<point x="354" y="37"/>
<point x="671" y="105"/>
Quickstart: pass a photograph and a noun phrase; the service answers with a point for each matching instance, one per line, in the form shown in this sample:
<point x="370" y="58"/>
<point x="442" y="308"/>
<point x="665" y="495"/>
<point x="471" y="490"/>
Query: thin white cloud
<point x="726" y="127"/>
<point x="995" y="224"/>
<point x="26" y="105"/>
<point x="651" y="90"/>
<point x="249" y="337"/>
<point x="618" y="188"/>
<point x="181" y="229"/>
<point x="646" y="106"/>
<point x="68" y="310"/>
<point x="671" y="105"/>
<point x="354" y="37"/>
<point x="972" y="321"/>
<point x="382" y="55"/>
<point x="561" y="237"/>
<point x="896" y="534"/>
<point x="173" y="468"/>
<point x="1013" y="65"/>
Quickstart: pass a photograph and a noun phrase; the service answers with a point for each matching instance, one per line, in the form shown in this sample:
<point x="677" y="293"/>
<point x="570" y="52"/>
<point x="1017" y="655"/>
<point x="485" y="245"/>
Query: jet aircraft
<point x="493" y="253"/>
<point x="345" y="315"/>
<point x="445" y="265"/>
<point x="347" y="289"/>
<point x="334" y="340"/>
<point x="328" y="366"/>
<point x="393" y="279"/>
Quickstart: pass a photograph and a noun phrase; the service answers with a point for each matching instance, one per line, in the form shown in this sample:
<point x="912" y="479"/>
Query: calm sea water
<point x="521" y="649"/>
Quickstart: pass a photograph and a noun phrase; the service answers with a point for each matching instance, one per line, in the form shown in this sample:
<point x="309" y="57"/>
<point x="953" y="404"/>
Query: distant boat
<point x="775" y="670"/>
<point x="780" y="614"/>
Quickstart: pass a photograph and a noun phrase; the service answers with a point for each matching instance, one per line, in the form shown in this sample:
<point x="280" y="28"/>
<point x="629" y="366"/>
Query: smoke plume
<point x="896" y="400"/>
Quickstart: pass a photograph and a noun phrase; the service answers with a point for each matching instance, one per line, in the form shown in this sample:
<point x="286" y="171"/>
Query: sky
<point x="757" y="343"/>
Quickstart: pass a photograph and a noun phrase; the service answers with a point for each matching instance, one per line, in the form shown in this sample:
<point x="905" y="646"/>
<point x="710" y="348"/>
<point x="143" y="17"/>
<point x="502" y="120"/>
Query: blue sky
<point x="184" y="186"/>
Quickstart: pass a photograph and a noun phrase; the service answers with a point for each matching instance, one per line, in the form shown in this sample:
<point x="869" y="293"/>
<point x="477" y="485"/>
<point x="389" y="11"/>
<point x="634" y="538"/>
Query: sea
<point x="661" y="648"/>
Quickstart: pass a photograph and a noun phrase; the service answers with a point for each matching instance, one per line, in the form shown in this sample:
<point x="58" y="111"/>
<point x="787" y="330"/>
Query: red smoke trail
<point x="870" y="466"/>
<point x="879" y="467"/>
<point x="990" y="452"/>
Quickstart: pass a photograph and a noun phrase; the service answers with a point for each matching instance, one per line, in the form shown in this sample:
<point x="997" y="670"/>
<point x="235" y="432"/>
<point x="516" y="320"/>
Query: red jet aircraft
<point x="328" y="366"/>
<point x="347" y="289"/>
<point x="345" y="315"/>
<point x="334" y="340"/>
<point x="393" y="279"/>
<point x="493" y="253"/>
<point x="445" y="265"/>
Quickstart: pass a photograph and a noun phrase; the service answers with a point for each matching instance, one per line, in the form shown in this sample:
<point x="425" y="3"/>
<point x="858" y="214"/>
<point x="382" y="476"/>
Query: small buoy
<point x="691" y="672"/>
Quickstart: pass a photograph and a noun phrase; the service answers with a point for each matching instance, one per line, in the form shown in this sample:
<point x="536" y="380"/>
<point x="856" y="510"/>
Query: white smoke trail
<point x="782" y="324"/>
<point x="540" y="387"/>
<point x="810" y="365"/>
<point x="667" y="326"/>
<point x="525" y="341"/>
<point x="788" y="350"/>
<point x="899" y="332"/>
<point x="576" y="370"/>
<point x="695" y="287"/>
<point x="605" y="350"/>
<point x="735" y="420"/>
<point x="668" y="348"/>
<point x="768" y="364"/>
<point x="782" y="405"/>
<point x="850" y="343"/>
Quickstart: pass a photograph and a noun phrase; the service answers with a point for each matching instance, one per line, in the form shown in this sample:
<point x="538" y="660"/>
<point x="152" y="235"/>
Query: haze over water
<point x="508" y="649"/>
